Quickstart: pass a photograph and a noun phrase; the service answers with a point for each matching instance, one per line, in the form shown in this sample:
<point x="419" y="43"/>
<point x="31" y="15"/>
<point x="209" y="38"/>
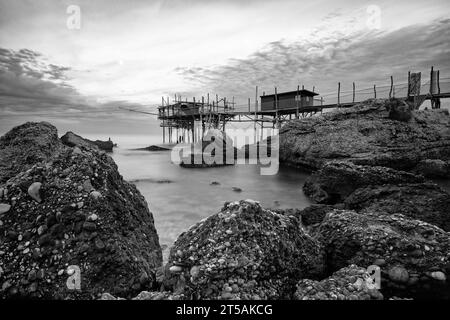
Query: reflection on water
<point x="180" y="197"/>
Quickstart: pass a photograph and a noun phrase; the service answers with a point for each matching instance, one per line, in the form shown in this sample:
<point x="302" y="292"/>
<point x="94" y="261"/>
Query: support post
<point x="276" y="105"/>
<point x="339" y="94"/>
<point x="353" y="99"/>
<point x="296" y="102"/>
<point x="431" y="81"/>
<point x="392" y="87"/>
<point x="409" y="88"/>
<point x="438" y="83"/>
<point x="375" y="91"/>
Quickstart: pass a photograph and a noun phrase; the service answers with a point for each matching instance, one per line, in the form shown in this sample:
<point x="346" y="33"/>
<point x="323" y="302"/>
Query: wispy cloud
<point x="362" y="56"/>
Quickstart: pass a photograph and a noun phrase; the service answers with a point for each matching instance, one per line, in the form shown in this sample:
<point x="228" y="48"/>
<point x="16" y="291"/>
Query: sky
<point x="77" y="70"/>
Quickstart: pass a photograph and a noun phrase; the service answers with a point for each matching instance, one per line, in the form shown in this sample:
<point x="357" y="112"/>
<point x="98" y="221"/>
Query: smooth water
<point x="179" y="197"/>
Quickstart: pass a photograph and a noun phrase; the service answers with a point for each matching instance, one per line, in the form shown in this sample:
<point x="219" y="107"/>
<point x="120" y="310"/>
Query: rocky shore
<point x="375" y="207"/>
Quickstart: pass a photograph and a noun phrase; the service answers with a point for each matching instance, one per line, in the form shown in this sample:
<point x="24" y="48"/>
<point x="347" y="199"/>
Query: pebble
<point x="34" y="191"/>
<point x="195" y="270"/>
<point x="41" y="229"/>
<point x="92" y="217"/>
<point x="398" y="274"/>
<point x="438" y="275"/>
<point x="175" y="269"/>
<point x="4" y="208"/>
<point x="96" y="195"/>
<point x="87" y="186"/>
<point x="26" y="250"/>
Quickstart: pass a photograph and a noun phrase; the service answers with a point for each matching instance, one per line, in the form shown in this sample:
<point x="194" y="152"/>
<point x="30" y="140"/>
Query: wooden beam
<point x="392" y="87"/>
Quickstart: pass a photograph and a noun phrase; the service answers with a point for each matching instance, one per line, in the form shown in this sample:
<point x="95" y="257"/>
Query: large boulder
<point x="73" y="140"/>
<point x="349" y="283"/>
<point x="73" y="217"/>
<point x="243" y="252"/>
<point x="26" y="145"/>
<point x="423" y="201"/>
<point x="365" y="134"/>
<point x="414" y="256"/>
<point x="337" y="180"/>
<point x="434" y="168"/>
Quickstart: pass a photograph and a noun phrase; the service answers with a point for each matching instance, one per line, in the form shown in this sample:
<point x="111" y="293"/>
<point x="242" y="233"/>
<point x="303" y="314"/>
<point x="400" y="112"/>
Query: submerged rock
<point x="337" y="180"/>
<point x="365" y="134"/>
<point x="243" y="252"/>
<point x="349" y="283"/>
<point x="110" y="242"/>
<point x="410" y="250"/>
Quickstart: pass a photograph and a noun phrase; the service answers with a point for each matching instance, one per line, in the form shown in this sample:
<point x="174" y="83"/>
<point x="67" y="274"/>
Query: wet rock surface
<point x="365" y="134"/>
<point x="414" y="256"/>
<point x="349" y="283"/>
<point x="71" y="207"/>
<point x="243" y="252"/>
<point x="335" y="181"/>
<point x="73" y="140"/>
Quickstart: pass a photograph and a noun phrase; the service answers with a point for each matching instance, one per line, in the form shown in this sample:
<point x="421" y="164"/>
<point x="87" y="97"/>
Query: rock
<point x="34" y="191"/>
<point x="352" y="238"/>
<point x="337" y="180"/>
<point x="215" y="183"/>
<point x="398" y="274"/>
<point x="4" y="208"/>
<point x="365" y="135"/>
<point x="438" y="275"/>
<point x="312" y="215"/>
<point x="107" y="296"/>
<point x="203" y="153"/>
<point x="111" y="253"/>
<point x="236" y="189"/>
<point x="399" y="110"/>
<point x="336" y="287"/>
<point x="95" y="195"/>
<point x="424" y="201"/>
<point x="434" y="168"/>
<point x="175" y="269"/>
<point x="93" y="217"/>
<point x="26" y="145"/>
<point x="72" y="140"/>
<point x="267" y="254"/>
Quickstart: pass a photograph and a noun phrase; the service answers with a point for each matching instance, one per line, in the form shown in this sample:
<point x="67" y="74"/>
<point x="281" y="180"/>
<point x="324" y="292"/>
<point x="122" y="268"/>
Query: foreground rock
<point x="72" y="210"/>
<point x="366" y="134"/>
<point x="73" y="140"/>
<point x="349" y="283"/>
<point x="25" y="146"/>
<point x="243" y="252"/>
<point x="423" y="201"/>
<point x="414" y="256"/>
<point x="337" y="180"/>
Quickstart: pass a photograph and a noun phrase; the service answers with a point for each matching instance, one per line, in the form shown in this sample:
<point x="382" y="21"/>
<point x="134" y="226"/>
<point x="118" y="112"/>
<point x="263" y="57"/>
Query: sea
<point x="180" y="197"/>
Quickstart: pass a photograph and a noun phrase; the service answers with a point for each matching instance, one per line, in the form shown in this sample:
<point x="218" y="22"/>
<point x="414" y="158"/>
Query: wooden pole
<point x="276" y="105"/>
<point x="296" y="102"/>
<point x="353" y="99"/>
<point x="438" y="83"/>
<point x="409" y="79"/>
<point x="374" y="91"/>
<point x="339" y="94"/>
<point x="431" y="81"/>
<point x="248" y="105"/>
<point x="392" y="87"/>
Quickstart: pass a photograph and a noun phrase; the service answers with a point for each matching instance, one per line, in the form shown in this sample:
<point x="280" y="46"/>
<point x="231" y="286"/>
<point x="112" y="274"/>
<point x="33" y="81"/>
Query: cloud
<point x="362" y="56"/>
<point x="31" y="86"/>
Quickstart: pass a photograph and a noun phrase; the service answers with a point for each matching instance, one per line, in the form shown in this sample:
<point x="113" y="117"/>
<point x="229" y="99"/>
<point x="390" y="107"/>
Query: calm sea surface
<point x="179" y="197"/>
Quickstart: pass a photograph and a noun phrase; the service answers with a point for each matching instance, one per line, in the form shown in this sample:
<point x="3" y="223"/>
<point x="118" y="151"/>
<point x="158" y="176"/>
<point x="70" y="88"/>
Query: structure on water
<point x="187" y="121"/>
